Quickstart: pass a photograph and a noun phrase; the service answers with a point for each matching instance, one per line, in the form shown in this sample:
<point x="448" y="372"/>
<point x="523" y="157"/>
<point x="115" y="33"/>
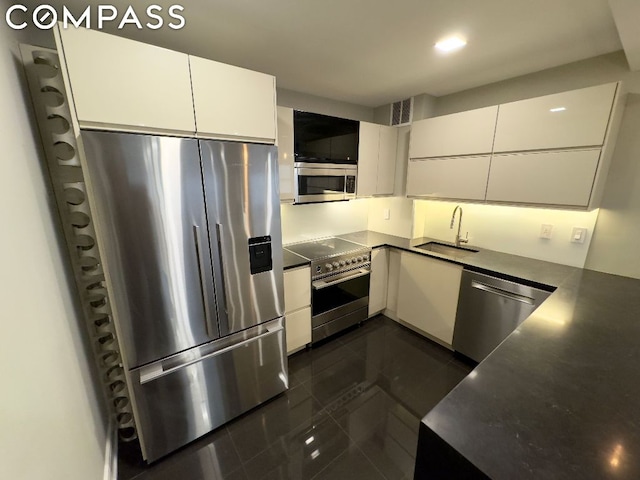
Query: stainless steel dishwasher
<point x="489" y="309"/>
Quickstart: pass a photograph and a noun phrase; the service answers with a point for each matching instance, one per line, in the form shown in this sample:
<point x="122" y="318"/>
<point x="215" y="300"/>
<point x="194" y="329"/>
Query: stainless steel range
<point x="340" y="275"/>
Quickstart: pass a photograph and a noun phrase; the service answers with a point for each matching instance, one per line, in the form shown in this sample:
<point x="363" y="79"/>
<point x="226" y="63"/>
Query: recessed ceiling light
<point x="558" y="109"/>
<point x="451" y="43"/>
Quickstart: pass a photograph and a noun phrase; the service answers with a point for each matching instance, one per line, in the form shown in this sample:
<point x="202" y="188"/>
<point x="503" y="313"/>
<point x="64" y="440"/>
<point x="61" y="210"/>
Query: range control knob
<point x="348" y="261"/>
<point x="360" y="258"/>
<point x="328" y="266"/>
<point x="336" y="265"/>
<point x="354" y="260"/>
<point x="342" y="263"/>
<point x="365" y="257"/>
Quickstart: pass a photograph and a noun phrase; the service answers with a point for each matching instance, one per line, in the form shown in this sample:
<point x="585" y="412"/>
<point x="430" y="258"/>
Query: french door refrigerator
<point x="191" y="242"/>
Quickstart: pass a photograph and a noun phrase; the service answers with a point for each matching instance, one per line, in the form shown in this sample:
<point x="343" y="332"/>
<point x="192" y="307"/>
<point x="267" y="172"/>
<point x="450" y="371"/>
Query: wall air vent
<point x="402" y="112"/>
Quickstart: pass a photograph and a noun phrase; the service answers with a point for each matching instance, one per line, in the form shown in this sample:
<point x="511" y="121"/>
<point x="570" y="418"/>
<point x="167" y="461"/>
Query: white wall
<point x="585" y="73"/>
<point x="315" y="220"/>
<point x="325" y="106"/>
<point x="514" y="230"/>
<point x="400" y="222"/>
<point x="53" y="423"/>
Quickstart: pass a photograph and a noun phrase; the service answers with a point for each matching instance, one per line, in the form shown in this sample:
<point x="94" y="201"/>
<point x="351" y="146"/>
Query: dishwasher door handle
<point x="502" y="293"/>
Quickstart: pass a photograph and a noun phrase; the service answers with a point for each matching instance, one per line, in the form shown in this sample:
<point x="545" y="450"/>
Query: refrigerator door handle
<point x="221" y="262"/>
<point x="162" y="368"/>
<point x="201" y="270"/>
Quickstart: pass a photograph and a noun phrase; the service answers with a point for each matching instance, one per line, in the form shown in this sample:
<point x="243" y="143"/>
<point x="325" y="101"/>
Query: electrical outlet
<point x="578" y="234"/>
<point x="546" y="231"/>
<point x="386" y="213"/>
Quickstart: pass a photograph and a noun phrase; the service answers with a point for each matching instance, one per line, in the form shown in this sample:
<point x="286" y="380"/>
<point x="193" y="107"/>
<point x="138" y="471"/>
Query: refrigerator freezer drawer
<point x="211" y="386"/>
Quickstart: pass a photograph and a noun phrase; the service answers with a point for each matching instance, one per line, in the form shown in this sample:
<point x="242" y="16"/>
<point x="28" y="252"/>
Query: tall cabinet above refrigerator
<point x="191" y="241"/>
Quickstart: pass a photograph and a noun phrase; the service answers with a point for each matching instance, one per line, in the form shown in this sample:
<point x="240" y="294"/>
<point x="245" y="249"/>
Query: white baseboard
<point x="111" y="453"/>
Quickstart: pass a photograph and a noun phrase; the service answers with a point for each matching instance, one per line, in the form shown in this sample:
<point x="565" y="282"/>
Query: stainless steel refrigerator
<point x="191" y="243"/>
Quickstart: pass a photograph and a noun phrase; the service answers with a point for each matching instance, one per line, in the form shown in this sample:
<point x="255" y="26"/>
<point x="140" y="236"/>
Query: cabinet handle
<point x="502" y="293"/>
<point x="201" y="271"/>
<point x="320" y="284"/>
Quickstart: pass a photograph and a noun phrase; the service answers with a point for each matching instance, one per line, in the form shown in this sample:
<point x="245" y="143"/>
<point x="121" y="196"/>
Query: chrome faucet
<point x="453" y="219"/>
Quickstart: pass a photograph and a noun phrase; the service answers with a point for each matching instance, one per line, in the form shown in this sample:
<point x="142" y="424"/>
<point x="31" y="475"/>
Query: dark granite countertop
<point x="535" y="272"/>
<point x="558" y="398"/>
<point x="292" y="260"/>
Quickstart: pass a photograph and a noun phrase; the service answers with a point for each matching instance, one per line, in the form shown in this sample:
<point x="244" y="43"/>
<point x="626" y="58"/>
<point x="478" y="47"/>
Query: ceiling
<point x="372" y="52"/>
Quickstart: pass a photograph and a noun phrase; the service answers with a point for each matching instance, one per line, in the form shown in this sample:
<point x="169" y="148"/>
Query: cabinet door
<point x="379" y="279"/>
<point x="428" y="294"/>
<point x="285" y="153"/>
<point x="298" y="327"/>
<point x="120" y="84"/>
<point x="297" y="289"/>
<point x="571" y="119"/>
<point x="232" y="102"/>
<point x="457" y="177"/>
<point x="464" y="133"/>
<point x="368" y="147"/>
<point x="550" y="178"/>
<point x="393" y="279"/>
<point x="387" y="160"/>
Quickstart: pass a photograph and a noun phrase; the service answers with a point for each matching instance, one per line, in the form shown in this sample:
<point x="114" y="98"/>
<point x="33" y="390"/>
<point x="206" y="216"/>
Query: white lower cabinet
<point x="393" y="276"/>
<point x="428" y="295"/>
<point x="297" y="307"/>
<point x="379" y="280"/>
<point x="552" y="178"/>
<point x="298" y="329"/>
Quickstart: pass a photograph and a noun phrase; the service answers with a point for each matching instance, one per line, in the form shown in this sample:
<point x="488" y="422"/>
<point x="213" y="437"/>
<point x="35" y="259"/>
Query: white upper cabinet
<point x="387" y="160"/>
<point x="376" y="159"/>
<point x="285" y="153"/>
<point x="368" y="147"/>
<point x="545" y="178"/>
<point x="455" y="178"/>
<point x="464" y="133"/>
<point x="120" y="84"/>
<point x="578" y="118"/>
<point x="232" y="102"/>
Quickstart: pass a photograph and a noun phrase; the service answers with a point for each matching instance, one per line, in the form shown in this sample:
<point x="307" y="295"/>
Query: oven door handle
<point x="320" y="284"/>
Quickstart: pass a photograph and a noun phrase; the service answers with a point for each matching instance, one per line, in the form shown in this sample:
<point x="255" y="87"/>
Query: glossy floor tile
<point x="352" y="412"/>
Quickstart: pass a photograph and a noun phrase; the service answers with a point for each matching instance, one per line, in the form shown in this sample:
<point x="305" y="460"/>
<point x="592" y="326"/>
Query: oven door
<point x="340" y="295"/>
<point x="324" y="184"/>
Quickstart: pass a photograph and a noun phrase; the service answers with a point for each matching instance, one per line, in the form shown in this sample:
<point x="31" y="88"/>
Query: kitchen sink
<point x="446" y="249"/>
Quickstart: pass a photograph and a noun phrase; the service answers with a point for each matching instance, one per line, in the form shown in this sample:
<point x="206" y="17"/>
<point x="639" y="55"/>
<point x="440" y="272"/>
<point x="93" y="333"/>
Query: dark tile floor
<point x="352" y="412"/>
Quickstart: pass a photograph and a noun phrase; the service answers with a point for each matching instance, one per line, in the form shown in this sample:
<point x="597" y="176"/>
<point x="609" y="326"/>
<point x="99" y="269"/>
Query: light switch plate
<point x="546" y="230"/>
<point x="386" y="213"/>
<point x="578" y="234"/>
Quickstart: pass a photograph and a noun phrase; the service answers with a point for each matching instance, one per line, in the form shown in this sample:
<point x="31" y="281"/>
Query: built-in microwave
<point x="324" y="139"/>
<point x="324" y="182"/>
